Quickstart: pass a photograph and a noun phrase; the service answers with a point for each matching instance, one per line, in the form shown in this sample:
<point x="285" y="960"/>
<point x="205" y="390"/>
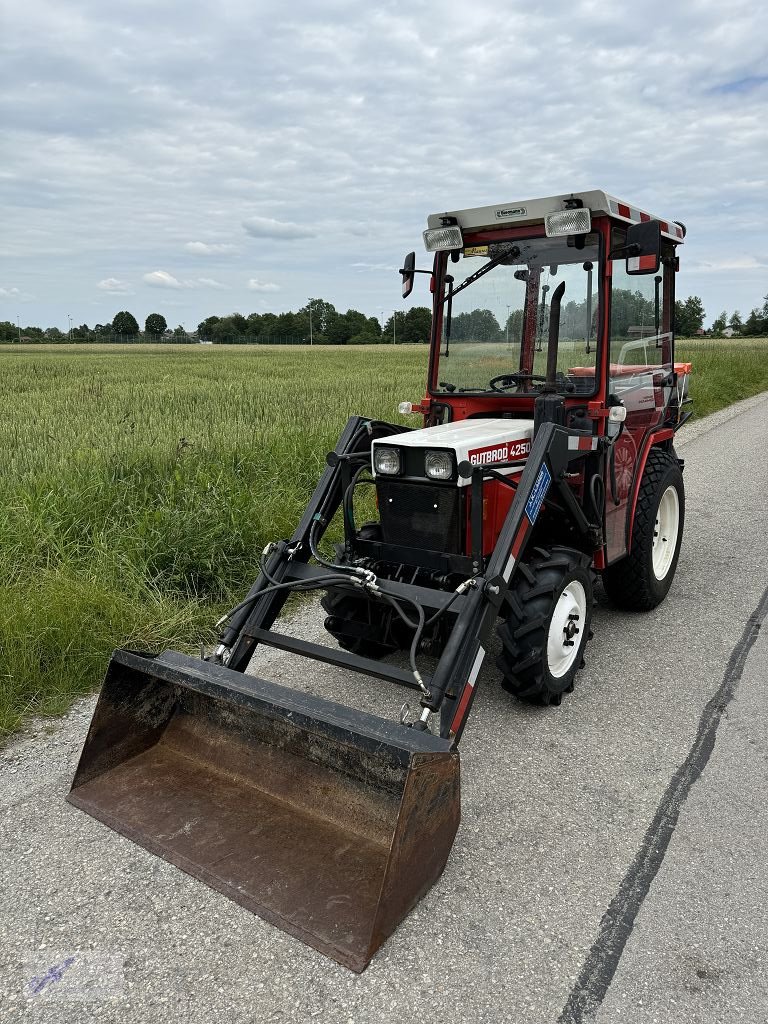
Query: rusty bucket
<point x="329" y="823"/>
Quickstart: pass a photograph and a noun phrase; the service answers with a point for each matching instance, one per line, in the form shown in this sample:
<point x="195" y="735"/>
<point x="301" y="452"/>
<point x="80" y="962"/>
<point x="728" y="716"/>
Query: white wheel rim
<point x="665" y="532"/>
<point x="566" y="629"/>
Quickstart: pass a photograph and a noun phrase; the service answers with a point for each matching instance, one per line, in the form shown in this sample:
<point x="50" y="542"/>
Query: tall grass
<point x="138" y="485"/>
<point x="724" y="371"/>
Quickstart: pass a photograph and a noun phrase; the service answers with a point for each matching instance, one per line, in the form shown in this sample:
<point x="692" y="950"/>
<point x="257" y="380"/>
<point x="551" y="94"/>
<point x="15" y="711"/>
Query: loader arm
<point x="453" y="684"/>
<point x="450" y="690"/>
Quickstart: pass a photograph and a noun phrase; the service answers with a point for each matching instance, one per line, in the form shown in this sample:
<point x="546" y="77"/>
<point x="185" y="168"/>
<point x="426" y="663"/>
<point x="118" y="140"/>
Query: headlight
<point x="439" y="465"/>
<point x="568" y="222"/>
<point x="437" y="239"/>
<point x="386" y="460"/>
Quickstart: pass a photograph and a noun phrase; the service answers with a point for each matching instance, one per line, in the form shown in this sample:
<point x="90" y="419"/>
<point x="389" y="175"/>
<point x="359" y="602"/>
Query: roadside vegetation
<point x="140" y="483"/>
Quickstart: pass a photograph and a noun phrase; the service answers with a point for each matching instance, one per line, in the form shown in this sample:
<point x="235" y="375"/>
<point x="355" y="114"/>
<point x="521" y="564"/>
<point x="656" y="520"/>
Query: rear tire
<point x="641" y="580"/>
<point x="547" y="625"/>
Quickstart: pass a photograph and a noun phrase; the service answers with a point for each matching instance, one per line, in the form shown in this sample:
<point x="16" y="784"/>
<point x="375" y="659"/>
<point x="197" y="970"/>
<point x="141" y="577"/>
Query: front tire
<point x="641" y="580"/>
<point x="356" y="622"/>
<point x="547" y="625"/>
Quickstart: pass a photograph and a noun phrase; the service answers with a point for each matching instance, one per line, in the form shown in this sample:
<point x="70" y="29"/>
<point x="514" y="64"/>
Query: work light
<point x="386" y="460"/>
<point x="437" y="239"/>
<point x="439" y="465"/>
<point x="568" y="222"/>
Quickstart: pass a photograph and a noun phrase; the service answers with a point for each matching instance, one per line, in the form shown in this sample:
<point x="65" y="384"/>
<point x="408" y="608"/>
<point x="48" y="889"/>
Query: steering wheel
<point x="507" y="379"/>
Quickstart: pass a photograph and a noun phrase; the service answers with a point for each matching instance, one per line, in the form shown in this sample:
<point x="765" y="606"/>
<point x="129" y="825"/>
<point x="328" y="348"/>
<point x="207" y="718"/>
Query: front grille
<point x="420" y="515"/>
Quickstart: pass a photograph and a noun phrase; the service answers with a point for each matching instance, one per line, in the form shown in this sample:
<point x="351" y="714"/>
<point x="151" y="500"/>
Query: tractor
<point x="544" y="458"/>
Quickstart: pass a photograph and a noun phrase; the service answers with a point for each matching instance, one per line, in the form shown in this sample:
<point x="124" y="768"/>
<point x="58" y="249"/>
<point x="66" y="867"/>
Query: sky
<point x="196" y="158"/>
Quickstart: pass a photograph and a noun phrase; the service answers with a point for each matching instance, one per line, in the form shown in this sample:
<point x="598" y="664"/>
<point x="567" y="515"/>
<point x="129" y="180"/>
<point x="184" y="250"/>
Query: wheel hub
<point x="665" y="533"/>
<point x="569" y="612"/>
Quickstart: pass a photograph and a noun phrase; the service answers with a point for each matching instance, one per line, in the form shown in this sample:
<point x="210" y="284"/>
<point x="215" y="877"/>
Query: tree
<point x="416" y="328"/>
<point x="477" y="325"/>
<point x="631" y="309"/>
<point x="205" y="329"/>
<point x="322" y="314"/>
<point x="393" y="329"/>
<point x="718" y="325"/>
<point x="125" y="323"/>
<point x="735" y="322"/>
<point x="155" y="325"/>
<point x="689" y="316"/>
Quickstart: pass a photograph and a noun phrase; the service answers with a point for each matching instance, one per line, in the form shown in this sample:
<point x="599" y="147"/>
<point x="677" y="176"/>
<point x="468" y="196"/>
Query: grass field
<point x="140" y="483"/>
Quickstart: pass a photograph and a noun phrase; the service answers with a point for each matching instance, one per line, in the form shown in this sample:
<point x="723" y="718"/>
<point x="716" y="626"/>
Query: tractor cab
<point x="553" y="310"/>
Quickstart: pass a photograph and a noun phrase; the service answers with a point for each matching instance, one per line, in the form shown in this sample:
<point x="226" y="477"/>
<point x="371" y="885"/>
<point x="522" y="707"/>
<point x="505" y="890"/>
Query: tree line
<point x="321" y="323"/>
<point x="318" y="322"/>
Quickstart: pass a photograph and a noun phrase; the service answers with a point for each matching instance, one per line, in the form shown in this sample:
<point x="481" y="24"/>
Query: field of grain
<point x="138" y="485"/>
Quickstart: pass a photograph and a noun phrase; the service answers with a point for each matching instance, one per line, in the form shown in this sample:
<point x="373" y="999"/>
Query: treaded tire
<point x="538" y="586"/>
<point x="631" y="583"/>
<point x="357" y="623"/>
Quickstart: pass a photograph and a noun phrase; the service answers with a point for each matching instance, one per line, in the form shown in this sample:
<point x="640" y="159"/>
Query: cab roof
<point x="533" y="211"/>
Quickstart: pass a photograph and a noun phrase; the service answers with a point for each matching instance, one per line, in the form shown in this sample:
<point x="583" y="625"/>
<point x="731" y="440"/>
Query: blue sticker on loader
<point x="538" y="494"/>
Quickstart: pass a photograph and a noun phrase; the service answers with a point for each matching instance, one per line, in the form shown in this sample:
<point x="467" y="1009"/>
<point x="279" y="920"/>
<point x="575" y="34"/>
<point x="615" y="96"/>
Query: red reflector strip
<point x="468" y="690"/>
<point x="644" y="217"/>
<point x="517" y="544"/>
<point x="638" y="263"/>
<point x="624" y="210"/>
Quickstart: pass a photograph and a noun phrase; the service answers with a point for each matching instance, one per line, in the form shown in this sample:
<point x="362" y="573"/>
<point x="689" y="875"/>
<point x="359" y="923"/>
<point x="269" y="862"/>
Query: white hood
<point x="480" y="442"/>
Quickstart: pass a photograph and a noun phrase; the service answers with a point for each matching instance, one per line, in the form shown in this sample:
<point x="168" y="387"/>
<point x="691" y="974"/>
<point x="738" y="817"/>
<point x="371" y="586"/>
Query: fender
<point x="656" y="437"/>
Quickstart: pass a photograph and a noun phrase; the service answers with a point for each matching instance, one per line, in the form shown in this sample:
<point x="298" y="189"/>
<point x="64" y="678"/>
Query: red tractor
<point x="545" y="457"/>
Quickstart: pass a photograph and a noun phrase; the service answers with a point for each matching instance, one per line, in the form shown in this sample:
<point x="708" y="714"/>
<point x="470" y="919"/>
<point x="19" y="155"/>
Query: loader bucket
<point x="329" y="823"/>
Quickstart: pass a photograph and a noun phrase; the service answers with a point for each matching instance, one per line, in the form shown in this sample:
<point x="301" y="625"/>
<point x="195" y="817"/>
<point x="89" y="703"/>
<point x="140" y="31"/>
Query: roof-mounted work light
<point x="568" y="222"/>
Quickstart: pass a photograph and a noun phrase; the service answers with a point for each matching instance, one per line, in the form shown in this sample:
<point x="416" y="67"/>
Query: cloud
<point x="144" y="139"/>
<point x="113" y="286"/>
<point x="162" y="279"/>
<point x="737" y="263"/>
<point x="204" y="249"/>
<point x="255" y="285"/>
<point x="378" y="267"/>
<point x="10" y="293"/>
<point x="266" y="227"/>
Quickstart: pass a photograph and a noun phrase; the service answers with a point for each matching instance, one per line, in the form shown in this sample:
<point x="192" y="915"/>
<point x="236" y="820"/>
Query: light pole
<point x="69" y="335"/>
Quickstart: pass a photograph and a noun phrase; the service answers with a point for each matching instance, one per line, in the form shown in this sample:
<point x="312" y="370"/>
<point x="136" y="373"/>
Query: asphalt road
<point x="611" y="862"/>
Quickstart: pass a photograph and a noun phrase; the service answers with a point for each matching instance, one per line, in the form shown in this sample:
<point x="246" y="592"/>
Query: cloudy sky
<point x="197" y="158"/>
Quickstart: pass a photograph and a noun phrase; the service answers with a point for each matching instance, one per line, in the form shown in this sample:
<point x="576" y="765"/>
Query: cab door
<point x="639" y="376"/>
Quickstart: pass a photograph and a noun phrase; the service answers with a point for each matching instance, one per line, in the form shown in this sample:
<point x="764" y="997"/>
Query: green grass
<point x="724" y="371"/>
<point x="139" y="484"/>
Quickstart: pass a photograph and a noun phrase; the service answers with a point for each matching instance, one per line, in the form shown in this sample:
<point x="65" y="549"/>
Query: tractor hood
<point x="481" y="442"/>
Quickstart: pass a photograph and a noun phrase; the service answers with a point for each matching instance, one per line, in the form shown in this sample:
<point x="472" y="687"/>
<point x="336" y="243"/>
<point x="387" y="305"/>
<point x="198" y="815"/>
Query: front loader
<point x="545" y="457"/>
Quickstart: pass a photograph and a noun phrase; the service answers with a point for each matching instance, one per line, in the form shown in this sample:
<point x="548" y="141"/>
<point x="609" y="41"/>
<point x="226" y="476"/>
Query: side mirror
<point x="643" y="248"/>
<point x="408" y="273"/>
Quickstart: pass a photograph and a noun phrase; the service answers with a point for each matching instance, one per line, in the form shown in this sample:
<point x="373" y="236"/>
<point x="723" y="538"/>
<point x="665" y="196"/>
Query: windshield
<point x="496" y="323"/>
